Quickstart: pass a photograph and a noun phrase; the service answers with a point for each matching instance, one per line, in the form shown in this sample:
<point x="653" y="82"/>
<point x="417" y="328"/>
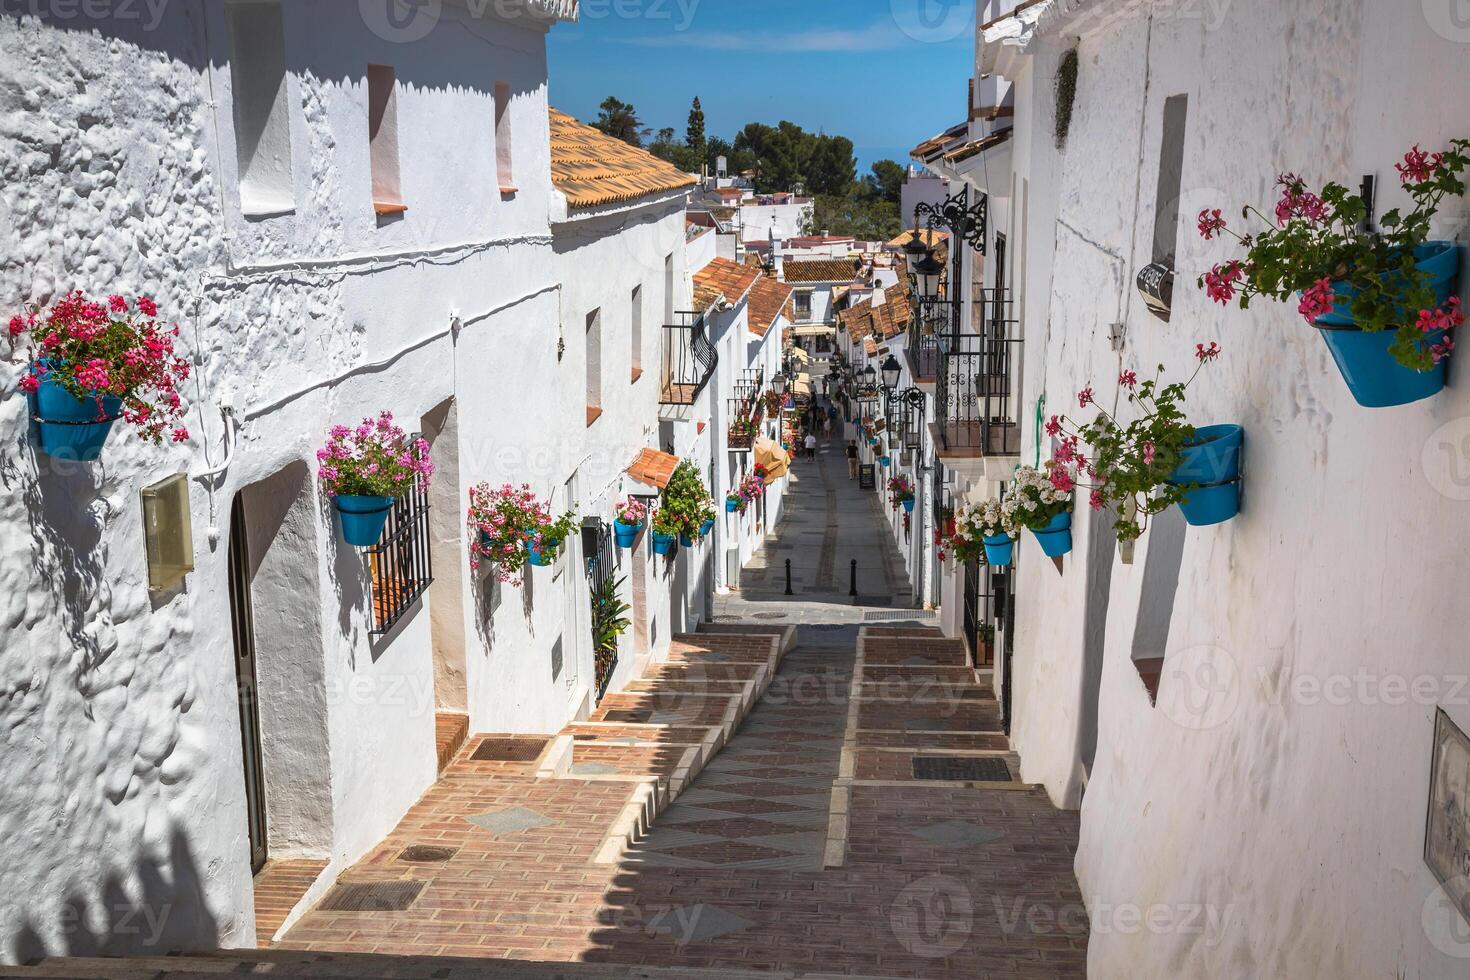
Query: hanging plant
<point x="1038" y="504"/>
<point x="1066" y="95"/>
<point x="1150" y="464"/>
<point x="93" y="363"/>
<point x="506" y="522"/>
<point x="1371" y="294"/>
<point x="985" y="530"/>
<point x="365" y="469"/>
<point x="901" y="492"/>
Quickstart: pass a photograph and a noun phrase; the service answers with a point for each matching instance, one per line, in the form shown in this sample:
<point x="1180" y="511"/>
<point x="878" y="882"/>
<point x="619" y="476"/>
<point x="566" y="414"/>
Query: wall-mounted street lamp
<point x="927" y="272"/>
<point x="892" y="372"/>
<point x="778" y="384"/>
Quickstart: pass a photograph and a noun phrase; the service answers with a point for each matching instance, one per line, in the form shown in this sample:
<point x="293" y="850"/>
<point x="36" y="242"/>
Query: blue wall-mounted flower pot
<point x="626" y="535"/>
<point x="1374" y="377"/>
<point x="1056" y="538"/>
<point x="69" y="427"/>
<point x="363" y="518"/>
<point x="883" y="461"/>
<point x="685" y="540"/>
<point x="999" y="549"/>
<point x="544" y="555"/>
<point x="663" y="543"/>
<point x="731" y="506"/>
<point x="908" y="505"/>
<point x="1211" y="460"/>
<point x="706" y="527"/>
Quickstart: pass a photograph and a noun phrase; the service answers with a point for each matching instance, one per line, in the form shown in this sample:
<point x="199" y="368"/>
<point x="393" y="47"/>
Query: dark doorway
<point x="243" y="627"/>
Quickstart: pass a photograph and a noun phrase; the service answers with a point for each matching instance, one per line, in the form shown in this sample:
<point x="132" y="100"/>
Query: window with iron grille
<point x="602" y="587"/>
<point x="399" y="563"/>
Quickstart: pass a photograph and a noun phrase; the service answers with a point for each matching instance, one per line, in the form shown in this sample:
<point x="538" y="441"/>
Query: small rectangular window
<point x="504" y="171"/>
<point x="594" y="366"/>
<point x="636" y="331"/>
<point x="669" y="288"/>
<point x="262" y="107"/>
<point x="383" y="139"/>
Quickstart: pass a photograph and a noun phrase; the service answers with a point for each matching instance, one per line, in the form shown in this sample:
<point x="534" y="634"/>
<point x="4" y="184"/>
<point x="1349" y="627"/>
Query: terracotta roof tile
<point x="934" y="144"/>
<point x="592" y="168"/>
<point x="976" y="147"/>
<point x="769" y="299"/>
<point x="821" y="270"/>
<point x="723" y="277"/>
<point x="930" y="237"/>
<point x="653" y="468"/>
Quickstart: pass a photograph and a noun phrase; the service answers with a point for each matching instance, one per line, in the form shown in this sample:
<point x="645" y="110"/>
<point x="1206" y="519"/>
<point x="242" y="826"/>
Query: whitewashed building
<point x="344" y="215"/>
<point x="1246" y="713"/>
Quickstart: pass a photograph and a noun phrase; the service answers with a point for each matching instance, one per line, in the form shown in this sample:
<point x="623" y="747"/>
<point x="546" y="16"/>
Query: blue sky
<point x="839" y="66"/>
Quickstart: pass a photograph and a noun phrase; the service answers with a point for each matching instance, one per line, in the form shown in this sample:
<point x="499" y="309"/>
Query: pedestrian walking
<point x="811" y="446"/>
<point x="852" y="460"/>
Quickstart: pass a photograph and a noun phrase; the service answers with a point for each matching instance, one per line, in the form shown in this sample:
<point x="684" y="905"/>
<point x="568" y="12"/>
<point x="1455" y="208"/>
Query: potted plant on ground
<point x="498" y="521"/>
<point x="93" y="363"/>
<point x="365" y="469"/>
<point x="986" y="528"/>
<point x="1043" y="507"/>
<point x="1383" y="302"/>
<point x="1155" y="461"/>
<point x="901" y="493"/>
<point x="666" y="528"/>
<point x="632" y="514"/>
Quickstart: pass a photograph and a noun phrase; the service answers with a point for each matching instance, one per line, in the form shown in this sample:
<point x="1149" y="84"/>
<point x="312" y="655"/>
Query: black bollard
<point x="788" y="577"/>
<point x="853" y="590"/>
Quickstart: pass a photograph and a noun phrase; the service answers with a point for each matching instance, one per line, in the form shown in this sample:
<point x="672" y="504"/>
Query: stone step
<point x="290" y="965"/>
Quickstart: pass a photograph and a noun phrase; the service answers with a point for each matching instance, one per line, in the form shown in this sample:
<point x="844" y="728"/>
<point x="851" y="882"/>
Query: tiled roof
<point x="723" y="277"/>
<point x="929" y="236"/>
<point x="821" y="270"/>
<point x="882" y="321"/>
<point x="931" y="147"/>
<point x="653" y="468"/>
<point x="768" y="300"/>
<point x="976" y="147"/>
<point x="592" y="168"/>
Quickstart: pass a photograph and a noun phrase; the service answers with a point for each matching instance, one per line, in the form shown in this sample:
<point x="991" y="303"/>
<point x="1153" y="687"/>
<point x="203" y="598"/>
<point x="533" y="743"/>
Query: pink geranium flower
<point x="1317" y="300"/>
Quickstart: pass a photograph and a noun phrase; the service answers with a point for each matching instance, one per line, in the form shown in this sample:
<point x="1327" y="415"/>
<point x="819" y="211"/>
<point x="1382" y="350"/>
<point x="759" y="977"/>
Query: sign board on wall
<point x="1447" y="829"/>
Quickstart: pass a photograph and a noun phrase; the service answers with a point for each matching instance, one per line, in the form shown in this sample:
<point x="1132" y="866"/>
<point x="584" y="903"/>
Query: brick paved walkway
<point x="792" y="829"/>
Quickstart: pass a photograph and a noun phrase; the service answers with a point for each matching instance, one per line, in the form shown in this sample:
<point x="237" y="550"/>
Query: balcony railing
<point x="977" y="408"/>
<point x="689" y="360"/>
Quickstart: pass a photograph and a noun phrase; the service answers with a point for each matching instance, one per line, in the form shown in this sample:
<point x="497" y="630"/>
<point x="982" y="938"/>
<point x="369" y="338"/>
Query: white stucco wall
<point x="1279" y="823"/>
<point x="122" y="742"/>
<point x="758" y="221"/>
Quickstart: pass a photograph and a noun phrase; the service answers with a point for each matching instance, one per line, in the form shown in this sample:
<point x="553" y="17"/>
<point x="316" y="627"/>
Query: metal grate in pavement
<point x="961" y="768"/>
<point x="509" y="750"/>
<point x="893" y="617"/>
<point x="372" y="896"/>
<point x="768" y="615"/>
<point x="426" y="854"/>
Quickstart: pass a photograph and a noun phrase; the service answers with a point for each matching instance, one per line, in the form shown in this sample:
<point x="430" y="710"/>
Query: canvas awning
<point x="815" y="330"/>
<point x="769" y="454"/>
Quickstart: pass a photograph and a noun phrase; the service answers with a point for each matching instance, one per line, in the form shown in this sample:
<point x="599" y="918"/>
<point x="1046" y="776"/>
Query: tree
<point x="886" y="180"/>
<point x="830" y="166"/>
<point x="620" y="120"/>
<point x="863" y="217"/>
<point x="665" y="147"/>
<point x="694" y="135"/>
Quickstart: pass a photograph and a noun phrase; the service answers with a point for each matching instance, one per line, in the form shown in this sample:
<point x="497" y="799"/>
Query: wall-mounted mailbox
<point x="167" y="532"/>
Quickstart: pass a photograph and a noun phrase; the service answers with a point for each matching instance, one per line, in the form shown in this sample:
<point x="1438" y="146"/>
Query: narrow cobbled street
<point x="863" y="817"/>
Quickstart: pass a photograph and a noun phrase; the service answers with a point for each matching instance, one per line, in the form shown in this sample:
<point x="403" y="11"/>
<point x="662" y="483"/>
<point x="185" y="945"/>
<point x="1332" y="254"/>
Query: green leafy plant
<point x="1314" y="243"/>
<point x="667" y="522"/>
<point x="609" y="620"/>
<point x="975" y="523"/>
<point x="1131" y="464"/>
<point x="685" y="500"/>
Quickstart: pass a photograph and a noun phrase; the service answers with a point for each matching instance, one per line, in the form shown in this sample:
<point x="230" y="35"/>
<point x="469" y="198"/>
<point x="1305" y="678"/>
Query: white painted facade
<point x="920" y="187"/>
<point x="464" y="314"/>
<point x="770" y="222"/>
<point x="1277" y="791"/>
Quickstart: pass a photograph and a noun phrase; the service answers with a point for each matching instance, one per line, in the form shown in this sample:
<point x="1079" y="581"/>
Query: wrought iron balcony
<point x="689" y="359"/>
<point x="977" y="408"/>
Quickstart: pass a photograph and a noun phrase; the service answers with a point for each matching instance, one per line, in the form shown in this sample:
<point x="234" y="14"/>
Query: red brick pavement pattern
<point x="450" y="731"/>
<point x="278" y="887"/>
<point x="937" y="882"/>
<point x="873" y="764"/>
